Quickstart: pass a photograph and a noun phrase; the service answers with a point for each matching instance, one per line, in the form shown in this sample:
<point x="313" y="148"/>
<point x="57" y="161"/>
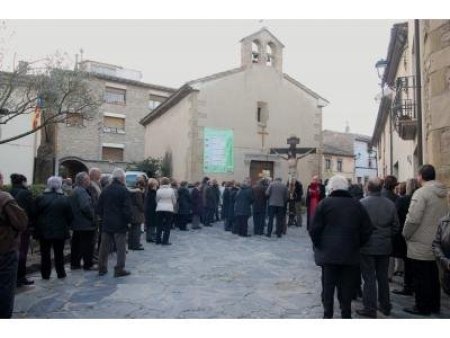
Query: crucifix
<point x="263" y="133"/>
<point x="292" y="158"/>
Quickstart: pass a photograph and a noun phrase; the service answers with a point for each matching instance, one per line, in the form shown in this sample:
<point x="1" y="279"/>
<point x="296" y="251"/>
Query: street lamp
<point x="381" y="66"/>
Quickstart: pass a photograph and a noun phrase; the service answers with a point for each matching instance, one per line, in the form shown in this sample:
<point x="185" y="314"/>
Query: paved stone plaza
<point x="206" y="273"/>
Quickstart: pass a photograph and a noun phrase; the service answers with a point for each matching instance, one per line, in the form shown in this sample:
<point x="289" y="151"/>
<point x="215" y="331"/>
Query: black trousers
<point x="374" y="270"/>
<point x="278" y="212"/>
<point x="426" y="284"/>
<point x="23" y="254"/>
<point x="242" y="225"/>
<point x="259" y="222"/>
<point x="408" y="274"/>
<point x="164" y="224"/>
<point x="46" y="261"/>
<point x="8" y="279"/>
<point x="343" y="278"/>
<point x="83" y="243"/>
<point x="183" y="220"/>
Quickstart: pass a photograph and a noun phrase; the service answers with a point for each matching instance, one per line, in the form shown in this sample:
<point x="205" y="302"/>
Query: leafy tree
<point x="151" y="166"/>
<point x="52" y="90"/>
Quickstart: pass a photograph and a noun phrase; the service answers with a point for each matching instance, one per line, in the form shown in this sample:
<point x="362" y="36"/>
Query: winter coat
<point x="399" y="243"/>
<point x="260" y="202"/>
<point x="54" y="215"/>
<point x="137" y="205"/>
<point x="243" y="201"/>
<point x="196" y="199"/>
<point x="24" y="198"/>
<point x="389" y="195"/>
<point x="184" y="201"/>
<point x="114" y="207"/>
<point x="13" y="220"/>
<point x="226" y="201"/>
<point x="428" y="206"/>
<point x="340" y="228"/>
<point x="233" y="192"/>
<point x="278" y="194"/>
<point x="82" y="210"/>
<point x="165" y="199"/>
<point x="441" y="249"/>
<point x="150" y="208"/>
<point x="383" y="215"/>
<point x="211" y="197"/>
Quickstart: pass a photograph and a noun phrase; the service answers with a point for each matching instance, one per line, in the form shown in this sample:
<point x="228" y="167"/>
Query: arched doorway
<point x="71" y="167"/>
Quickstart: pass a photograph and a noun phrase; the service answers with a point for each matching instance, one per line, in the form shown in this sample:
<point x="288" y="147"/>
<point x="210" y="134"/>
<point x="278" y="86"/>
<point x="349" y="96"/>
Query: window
<point x="114" y="124"/>
<point x="74" y="120"/>
<point x="115" y="95"/>
<point x="327" y="164"/>
<point x="154" y="101"/>
<point x="359" y="180"/>
<point x="262" y="113"/>
<point x="370" y="163"/>
<point x="112" y="154"/>
<point x="270" y="51"/>
<point x="339" y="165"/>
<point x="366" y="179"/>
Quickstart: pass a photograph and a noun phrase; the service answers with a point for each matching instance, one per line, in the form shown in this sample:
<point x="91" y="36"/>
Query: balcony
<point x="403" y="108"/>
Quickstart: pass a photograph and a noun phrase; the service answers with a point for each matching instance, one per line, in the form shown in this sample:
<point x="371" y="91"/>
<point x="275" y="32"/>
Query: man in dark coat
<point x="197" y="208"/>
<point x="83" y="224"/>
<point x="114" y="206"/>
<point x="13" y="220"/>
<point x="211" y="201"/>
<point x="243" y="207"/>
<point x="259" y="207"/>
<point x="232" y="224"/>
<point x="375" y="253"/>
<point x="226" y="205"/>
<point x="24" y="198"/>
<point x="341" y="226"/>
<point x="184" y="205"/>
<point x="54" y="216"/>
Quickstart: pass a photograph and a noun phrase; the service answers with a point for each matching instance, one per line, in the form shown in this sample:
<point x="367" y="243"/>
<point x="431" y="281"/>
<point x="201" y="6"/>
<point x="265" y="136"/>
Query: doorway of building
<point x="260" y="169"/>
<point x="69" y="168"/>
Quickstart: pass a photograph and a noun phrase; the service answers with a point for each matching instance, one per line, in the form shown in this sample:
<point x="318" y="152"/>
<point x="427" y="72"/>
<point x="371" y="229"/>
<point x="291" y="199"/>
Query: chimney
<point x="22" y="67"/>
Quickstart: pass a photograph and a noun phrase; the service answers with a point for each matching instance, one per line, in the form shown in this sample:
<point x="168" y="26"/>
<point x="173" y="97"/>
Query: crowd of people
<point x="390" y="229"/>
<point x="396" y="228"/>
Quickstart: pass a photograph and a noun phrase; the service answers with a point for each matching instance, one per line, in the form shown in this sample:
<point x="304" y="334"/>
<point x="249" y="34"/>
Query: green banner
<point x="218" y="151"/>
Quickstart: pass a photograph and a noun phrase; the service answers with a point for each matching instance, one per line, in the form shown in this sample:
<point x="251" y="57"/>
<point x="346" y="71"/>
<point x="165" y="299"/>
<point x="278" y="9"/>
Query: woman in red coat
<point x="314" y="194"/>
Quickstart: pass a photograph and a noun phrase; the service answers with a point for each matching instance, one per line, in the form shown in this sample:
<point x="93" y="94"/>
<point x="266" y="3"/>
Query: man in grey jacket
<point x="83" y="224"/>
<point x="428" y="206"/>
<point x="375" y="253"/>
<point x="278" y="196"/>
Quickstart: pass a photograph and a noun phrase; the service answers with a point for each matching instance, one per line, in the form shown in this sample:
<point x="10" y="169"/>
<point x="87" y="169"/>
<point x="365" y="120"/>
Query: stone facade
<point x="399" y="156"/>
<point x="230" y="100"/>
<point x="83" y="144"/>
<point x="436" y="95"/>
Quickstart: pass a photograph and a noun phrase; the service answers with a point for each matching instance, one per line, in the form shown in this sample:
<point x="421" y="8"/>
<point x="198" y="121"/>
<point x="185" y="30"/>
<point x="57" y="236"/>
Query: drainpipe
<point x="418" y="91"/>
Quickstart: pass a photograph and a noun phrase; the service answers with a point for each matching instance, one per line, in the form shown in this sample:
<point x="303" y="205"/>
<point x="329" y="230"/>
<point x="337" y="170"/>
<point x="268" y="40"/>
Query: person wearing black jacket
<point x="114" y="206"/>
<point x="54" y="216"/>
<point x="226" y="205"/>
<point x="243" y="207"/>
<point x="259" y="207"/>
<point x="184" y="206"/>
<point x="150" y="210"/>
<point x="341" y="226"/>
<point x="24" y="198"/>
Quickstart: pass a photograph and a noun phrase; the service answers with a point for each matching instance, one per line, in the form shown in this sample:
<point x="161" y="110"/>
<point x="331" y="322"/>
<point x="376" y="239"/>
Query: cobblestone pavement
<point x="207" y="273"/>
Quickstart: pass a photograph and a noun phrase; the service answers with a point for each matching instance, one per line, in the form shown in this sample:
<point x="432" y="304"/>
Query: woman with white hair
<point x="54" y="215"/>
<point x="340" y="227"/>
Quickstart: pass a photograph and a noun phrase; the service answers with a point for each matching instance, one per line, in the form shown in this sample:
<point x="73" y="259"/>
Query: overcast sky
<point x="335" y="58"/>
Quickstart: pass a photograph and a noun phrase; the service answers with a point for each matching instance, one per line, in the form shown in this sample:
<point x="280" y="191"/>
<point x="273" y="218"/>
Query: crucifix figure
<point x="263" y="133"/>
<point x="292" y="158"/>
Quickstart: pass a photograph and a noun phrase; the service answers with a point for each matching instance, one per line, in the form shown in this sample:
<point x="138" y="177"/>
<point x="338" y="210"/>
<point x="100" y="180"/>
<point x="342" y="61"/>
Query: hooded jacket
<point x="428" y="206"/>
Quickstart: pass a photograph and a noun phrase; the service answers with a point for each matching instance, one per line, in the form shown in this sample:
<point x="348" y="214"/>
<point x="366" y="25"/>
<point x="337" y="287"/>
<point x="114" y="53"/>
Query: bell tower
<point x="262" y="48"/>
